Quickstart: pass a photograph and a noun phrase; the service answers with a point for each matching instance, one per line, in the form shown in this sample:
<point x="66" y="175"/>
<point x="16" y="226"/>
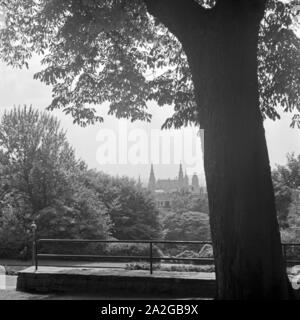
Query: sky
<point x="119" y="147"/>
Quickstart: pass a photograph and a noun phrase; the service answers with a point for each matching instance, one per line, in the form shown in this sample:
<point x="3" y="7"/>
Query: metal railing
<point x="149" y="258"/>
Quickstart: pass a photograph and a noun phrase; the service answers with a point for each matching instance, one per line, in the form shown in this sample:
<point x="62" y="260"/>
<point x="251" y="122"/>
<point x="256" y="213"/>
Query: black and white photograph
<point x="149" y="151"/>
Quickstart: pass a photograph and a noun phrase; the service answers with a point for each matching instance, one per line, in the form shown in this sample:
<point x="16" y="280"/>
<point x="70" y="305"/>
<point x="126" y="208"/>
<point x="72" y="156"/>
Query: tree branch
<point x="241" y="7"/>
<point x="178" y="15"/>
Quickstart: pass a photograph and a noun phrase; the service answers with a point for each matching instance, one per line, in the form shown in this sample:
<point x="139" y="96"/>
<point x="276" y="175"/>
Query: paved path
<point x="118" y="272"/>
<point x="14" y="266"/>
<point x="19" y="263"/>
<point x="10" y="292"/>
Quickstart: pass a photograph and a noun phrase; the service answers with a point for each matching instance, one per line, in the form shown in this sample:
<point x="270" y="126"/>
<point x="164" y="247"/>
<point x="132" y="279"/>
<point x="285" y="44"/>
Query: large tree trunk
<point x="221" y="46"/>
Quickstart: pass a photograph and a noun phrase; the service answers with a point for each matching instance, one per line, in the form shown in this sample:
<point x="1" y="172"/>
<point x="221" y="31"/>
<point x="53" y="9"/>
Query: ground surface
<point x="121" y="272"/>
<point x="10" y="292"/>
<point x="13" y="266"/>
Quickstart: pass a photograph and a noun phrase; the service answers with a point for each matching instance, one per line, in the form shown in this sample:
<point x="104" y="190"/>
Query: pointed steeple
<point x="195" y="183"/>
<point x="186" y="180"/>
<point x="152" y="181"/>
<point x="180" y="177"/>
<point x="139" y="183"/>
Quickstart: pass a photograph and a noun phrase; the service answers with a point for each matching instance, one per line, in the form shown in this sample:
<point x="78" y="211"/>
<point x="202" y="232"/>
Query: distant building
<point x="162" y="189"/>
<point x="139" y="183"/>
<point x="195" y="183"/>
<point x="171" y="185"/>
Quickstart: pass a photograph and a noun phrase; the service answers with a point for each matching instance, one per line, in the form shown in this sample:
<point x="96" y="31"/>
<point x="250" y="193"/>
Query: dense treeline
<point x="130" y="207"/>
<point x="41" y="180"/>
<point x="286" y="181"/>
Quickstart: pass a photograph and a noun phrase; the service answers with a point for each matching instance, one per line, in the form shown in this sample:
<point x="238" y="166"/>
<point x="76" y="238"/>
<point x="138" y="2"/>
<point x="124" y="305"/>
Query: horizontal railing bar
<point x="148" y="259"/>
<point x="121" y="257"/>
<point x="140" y="241"/>
<point x="16" y="265"/>
<point x="124" y="241"/>
<point x="182" y="259"/>
<point x="80" y="266"/>
<point x="41" y="255"/>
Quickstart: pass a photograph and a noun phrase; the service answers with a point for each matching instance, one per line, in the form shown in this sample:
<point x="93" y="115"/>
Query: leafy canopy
<point x="286" y="180"/>
<point x="41" y="180"/>
<point x="189" y="226"/>
<point x="97" y="51"/>
<point x="131" y="208"/>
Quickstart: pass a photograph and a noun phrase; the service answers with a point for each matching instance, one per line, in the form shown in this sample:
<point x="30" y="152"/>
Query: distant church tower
<point x="186" y="181"/>
<point x="180" y="177"/>
<point x="152" y="181"/>
<point x="195" y="183"/>
<point x="139" y="183"/>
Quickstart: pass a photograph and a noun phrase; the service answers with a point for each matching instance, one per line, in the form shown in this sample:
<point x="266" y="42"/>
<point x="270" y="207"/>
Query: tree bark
<point x="221" y="46"/>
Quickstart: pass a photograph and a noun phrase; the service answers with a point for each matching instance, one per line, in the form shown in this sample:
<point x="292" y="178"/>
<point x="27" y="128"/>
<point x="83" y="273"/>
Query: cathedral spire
<point x="180" y="177"/>
<point x="195" y="183"/>
<point x="152" y="181"/>
<point x="139" y="183"/>
<point x="186" y="180"/>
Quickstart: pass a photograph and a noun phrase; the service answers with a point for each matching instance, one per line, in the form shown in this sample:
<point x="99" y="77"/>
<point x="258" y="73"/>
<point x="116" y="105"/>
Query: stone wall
<point x="154" y="285"/>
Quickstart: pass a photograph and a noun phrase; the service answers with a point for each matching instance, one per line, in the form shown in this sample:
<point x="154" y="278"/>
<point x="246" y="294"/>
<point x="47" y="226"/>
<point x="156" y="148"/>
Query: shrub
<point x="142" y="266"/>
<point x="171" y="268"/>
<point x="206" y="251"/>
<point x="131" y="249"/>
<point x="188" y="254"/>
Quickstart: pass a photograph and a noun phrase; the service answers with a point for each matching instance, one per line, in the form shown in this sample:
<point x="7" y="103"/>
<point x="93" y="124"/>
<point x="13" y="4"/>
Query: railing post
<point x="151" y="258"/>
<point x="284" y="253"/>
<point x="34" y="246"/>
<point x="35" y="254"/>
